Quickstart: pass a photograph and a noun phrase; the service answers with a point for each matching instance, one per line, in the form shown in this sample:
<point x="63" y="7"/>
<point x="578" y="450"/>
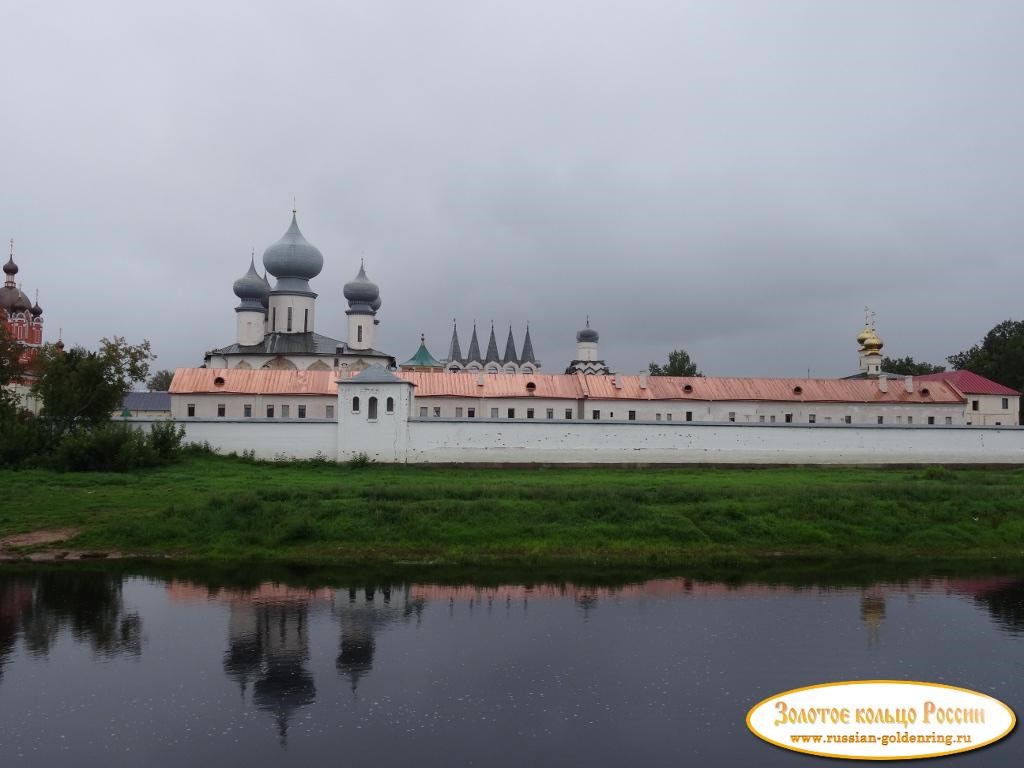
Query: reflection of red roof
<point x="570" y="386"/>
<point x="969" y="383"/>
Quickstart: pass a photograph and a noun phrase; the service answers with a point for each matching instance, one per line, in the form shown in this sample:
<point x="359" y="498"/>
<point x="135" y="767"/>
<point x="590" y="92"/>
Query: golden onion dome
<point x="864" y="335"/>
<point x="872" y="342"/>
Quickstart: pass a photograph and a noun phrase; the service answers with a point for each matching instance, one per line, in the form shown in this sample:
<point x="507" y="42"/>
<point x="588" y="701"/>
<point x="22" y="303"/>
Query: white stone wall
<point x="680" y="443"/>
<point x="270" y="440"/>
<point x="250" y="327"/>
<point x="299" y="305"/>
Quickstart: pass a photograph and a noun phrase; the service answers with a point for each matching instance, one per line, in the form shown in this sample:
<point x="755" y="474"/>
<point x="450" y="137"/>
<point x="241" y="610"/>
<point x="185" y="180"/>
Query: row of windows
<point x="976" y="404"/>
<point x="371" y="406"/>
<point x="288" y="320"/>
<point x="787" y="418"/>
<point x="286" y="411"/>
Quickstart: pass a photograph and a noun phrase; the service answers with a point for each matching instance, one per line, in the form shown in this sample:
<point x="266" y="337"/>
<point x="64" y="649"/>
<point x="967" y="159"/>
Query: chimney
<point x="480" y="379"/>
<point x="618" y="381"/>
<point x="643" y="381"/>
<point x="883" y="384"/>
<point x="908" y="384"/>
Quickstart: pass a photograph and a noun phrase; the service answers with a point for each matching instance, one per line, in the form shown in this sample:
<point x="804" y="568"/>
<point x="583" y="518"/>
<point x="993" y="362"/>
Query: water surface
<point x="101" y="669"/>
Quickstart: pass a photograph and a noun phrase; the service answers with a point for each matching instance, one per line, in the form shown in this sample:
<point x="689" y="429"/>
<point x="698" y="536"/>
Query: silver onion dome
<point x="587" y="334"/>
<point x="251" y="286"/>
<point x="362" y="294"/>
<point x="293" y="260"/>
<point x="10" y="268"/>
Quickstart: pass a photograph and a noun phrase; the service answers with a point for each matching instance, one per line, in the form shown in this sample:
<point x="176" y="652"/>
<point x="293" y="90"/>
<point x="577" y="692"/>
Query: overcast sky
<point x="737" y="179"/>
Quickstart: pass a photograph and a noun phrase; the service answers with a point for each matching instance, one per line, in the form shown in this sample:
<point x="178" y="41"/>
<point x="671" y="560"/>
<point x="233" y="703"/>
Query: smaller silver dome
<point x="587" y="334"/>
<point x="36" y="310"/>
<point x="10" y="268"/>
<point x="22" y="303"/>
<point x="251" y="286"/>
<point x="362" y="292"/>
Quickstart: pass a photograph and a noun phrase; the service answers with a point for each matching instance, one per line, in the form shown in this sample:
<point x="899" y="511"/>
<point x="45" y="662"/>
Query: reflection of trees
<point x="1005" y="603"/>
<point x="90" y="605"/>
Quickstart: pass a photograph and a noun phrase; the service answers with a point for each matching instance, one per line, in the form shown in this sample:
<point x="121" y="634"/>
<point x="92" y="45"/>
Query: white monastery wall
<point x="269" y="439"/>
<point x="557" y="442"/>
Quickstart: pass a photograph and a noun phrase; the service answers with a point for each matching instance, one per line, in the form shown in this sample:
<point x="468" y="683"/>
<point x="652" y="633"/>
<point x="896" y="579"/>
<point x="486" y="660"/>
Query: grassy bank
<point x="225" y="508"/>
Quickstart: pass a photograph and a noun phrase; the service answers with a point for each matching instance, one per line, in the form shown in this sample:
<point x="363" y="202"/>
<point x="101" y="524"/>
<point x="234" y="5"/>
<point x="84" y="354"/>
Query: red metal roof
<point x="573" y="386"/>
<point x="969" y="383"/>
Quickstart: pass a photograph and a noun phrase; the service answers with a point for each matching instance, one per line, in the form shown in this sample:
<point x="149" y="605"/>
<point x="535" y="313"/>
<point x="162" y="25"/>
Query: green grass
<point x="221" y="508"/>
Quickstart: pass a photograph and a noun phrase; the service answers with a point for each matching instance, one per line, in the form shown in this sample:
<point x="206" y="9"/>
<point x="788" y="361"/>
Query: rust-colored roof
<point x="574" y="386"/>
<point x="253" y="382"/>
<point x="969" y="383"/>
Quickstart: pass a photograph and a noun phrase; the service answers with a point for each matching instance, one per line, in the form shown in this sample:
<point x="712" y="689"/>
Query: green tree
<point x="999" y="356"/>
<point x="908" y="366"/>
<point x="160" y="381"/>
<point x="79" y="388"/>
<point x="10" y="370"/>
<point x="679" y="364"/>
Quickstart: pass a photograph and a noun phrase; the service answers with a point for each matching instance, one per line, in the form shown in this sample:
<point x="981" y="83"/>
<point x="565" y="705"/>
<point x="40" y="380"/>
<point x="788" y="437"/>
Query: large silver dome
<point x="587" y="334"/>
<point x="293" y="257"/>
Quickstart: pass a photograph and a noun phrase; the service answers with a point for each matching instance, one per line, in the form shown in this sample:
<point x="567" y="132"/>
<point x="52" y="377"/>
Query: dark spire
<point x="492" y="348"/>
<point x="455" y="351"/>
<point x="473" y="356"/>
<point x="528" y="356"/>
<point x="510" y="349"/>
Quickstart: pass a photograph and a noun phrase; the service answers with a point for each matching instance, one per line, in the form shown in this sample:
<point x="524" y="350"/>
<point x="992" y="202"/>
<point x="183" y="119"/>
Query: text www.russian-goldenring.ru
<point x="885" y="739"/>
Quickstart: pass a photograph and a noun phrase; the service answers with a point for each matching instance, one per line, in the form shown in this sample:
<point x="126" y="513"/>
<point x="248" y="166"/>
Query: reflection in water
<point x="40" y="607"/>
<point x="1004" y="601"/>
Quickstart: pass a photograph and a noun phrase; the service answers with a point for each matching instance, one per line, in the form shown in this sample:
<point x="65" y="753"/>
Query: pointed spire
<point x="473" y="356"/>
<point x="510" y="349"/>
<point x="527" y="356"/>
<point x="454" y="350"/>
<point x="492" y="348"/>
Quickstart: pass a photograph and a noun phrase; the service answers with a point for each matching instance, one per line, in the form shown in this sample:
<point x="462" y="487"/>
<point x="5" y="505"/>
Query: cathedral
<point x="23" y="321"/>
<point x="275" y="325"/>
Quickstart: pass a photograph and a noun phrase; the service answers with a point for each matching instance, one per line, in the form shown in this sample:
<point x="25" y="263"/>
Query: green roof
<point x="422" y="358"/>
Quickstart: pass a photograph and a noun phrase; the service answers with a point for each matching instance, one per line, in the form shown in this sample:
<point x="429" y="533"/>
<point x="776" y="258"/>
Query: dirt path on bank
<point x="12" y="548"/>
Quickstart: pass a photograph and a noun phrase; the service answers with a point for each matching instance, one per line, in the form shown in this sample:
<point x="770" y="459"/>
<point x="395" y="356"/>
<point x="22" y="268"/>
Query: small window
<point x="931" y="419"/>
<point x="355" y="405"/>
<point x="302" y="411"/>
<point x="881" y="419"/>
<point x="761" y="419"/>
<point x="848" y="419"/>
<point x="798" y="390"/>
<point x="371" y="409"/>
<point x="247" y="411"/>
<point x="305" y="321"/>
<point x="949" y="420"/>
<point x="1006" y="403"/>
<point x="511" y="413"/>
<point x="910" y="419"/>
<point x="437" y="411"/>
<point x="286" y="411"/>
<point x="273" y="318"/>
<point x="632" y="416"/>
<point x="389" y="405"/>
<point x="732" y="415"/>
<point x="772" y="419"/>
<point x="689" y="415"/>
<point x="568" y="413"/>
<point x="530" y="387"/>
<point x="289" y="319"/>
<point x="899" y="419"/>
<point x="999" y="423"/>
<point x="688" y="388"/>
<point x="925" y="391"/>
<point x="330" y="412"/>
<point x="471" y="413"/>
<point x="423" y="411"/>
<point x="218" y="381"/>
<point x="828" y="419"/>
<point x="789" y="418"/>
<point x="529" y="413"/>
<point x="191" y="409"/>
<point x="668" y="417"/>
<point x="494" y="413"/>
<point x="812" y="418"/>
<point x="595" y="415"/>
<point x="974" y="405"/>
<point x="657" y="417"/>
<point x="270" y="411"/>
<point x="221" y="409"/>
<point x="550" y="413"/>
<point x="458" y="413"/>
<point x="359" y="332"/>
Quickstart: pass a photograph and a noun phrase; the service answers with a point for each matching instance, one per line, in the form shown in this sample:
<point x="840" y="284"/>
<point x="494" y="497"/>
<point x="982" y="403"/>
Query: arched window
<point x="355" y="405"/>
<point x="390" y="405"/>
<point x="371" y="409"/>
